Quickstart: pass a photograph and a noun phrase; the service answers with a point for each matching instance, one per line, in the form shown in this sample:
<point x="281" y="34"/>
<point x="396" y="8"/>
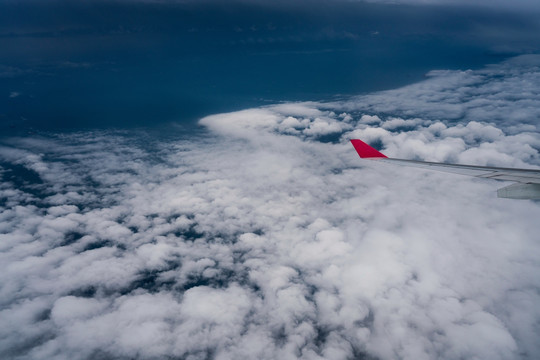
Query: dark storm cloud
<point x="261" y="239"/>
<point x="518" y="5"/>
<point x="107" y="23"/>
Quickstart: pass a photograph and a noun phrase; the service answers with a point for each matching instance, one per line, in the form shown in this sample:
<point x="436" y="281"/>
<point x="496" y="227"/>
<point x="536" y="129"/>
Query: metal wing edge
<point x="526" y="176"/>
<point x="528" y="180"/>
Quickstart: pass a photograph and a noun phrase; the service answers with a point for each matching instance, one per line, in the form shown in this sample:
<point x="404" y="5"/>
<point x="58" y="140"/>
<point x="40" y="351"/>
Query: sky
<point x="71" y="65"/>
<point x="176" y="180"/>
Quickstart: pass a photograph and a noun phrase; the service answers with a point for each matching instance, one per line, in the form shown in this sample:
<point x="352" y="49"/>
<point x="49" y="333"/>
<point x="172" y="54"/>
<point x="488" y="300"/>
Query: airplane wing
<point x="527" y="180"/>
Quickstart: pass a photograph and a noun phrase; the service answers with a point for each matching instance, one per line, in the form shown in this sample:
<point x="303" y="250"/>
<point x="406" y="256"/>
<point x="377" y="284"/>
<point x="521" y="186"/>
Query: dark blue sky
<point x="123" y="64"/>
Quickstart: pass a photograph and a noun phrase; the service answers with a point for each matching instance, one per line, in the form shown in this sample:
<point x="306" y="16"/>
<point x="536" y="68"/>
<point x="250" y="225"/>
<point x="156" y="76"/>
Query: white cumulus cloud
<point x="267" y="237"/>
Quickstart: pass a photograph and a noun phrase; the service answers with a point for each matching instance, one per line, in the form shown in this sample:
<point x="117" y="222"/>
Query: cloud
<point x="517" y="5"/>
<point x="503" y="95"/>
<point x="12" y="72"/>
<point x="268" y="237"/>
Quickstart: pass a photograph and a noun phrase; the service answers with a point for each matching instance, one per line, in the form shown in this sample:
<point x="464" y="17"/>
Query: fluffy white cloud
<point x="269" y="238"/>
<point x="505" y="95"/>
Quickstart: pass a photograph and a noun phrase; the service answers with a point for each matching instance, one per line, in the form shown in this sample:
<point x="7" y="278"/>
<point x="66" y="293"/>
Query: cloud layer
<point x="266" y="237"/>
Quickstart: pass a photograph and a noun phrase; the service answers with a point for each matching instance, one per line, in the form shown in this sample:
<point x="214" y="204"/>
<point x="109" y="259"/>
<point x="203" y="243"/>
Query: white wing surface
<point x="528" y="180"/>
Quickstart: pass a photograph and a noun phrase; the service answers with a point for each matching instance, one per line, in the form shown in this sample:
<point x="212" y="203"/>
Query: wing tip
<point x="365" y="151"/>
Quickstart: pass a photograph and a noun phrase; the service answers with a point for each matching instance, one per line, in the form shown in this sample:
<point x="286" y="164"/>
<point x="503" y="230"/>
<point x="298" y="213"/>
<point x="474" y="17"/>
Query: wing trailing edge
<point x="528" y="180"/>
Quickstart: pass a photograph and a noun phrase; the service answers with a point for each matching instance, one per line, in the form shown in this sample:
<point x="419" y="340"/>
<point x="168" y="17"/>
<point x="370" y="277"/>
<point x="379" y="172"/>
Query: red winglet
<point x="366" y="151"/>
